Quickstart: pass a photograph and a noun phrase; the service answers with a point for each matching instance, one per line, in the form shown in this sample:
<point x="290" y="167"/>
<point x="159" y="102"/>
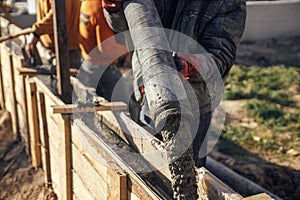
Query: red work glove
<point x="112" y="5"/>
<point x="187" y="65"/>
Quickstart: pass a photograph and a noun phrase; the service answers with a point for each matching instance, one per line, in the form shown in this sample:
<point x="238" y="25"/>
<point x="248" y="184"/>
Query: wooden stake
<point x="15" y="109"/>
<point x="34" y="127"/>
<point x="62" y="51"/>
<point x="68" y="156"/>
<point x="46" y="140"/>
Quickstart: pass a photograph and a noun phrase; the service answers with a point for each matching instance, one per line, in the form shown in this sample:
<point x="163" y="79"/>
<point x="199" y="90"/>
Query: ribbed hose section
<point x="167" y="99"/>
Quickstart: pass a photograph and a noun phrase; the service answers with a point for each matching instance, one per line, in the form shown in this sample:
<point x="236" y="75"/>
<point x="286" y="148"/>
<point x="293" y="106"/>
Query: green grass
<point x="270" y="92"/>
<point x="269" y="83"/>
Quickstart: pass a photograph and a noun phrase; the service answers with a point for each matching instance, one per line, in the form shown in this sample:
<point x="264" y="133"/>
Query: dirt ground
<point x="275" y="51"/>
<point x="18" y="179"/>
<point x="276" y="172"/>
<point x="279" y="173"/>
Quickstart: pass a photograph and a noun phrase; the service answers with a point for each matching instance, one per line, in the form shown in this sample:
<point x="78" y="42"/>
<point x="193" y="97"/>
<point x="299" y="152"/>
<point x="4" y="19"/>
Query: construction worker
<point x="217" y="26"/>
<point x="98" y="47"/>
<point x="43" y="30"/>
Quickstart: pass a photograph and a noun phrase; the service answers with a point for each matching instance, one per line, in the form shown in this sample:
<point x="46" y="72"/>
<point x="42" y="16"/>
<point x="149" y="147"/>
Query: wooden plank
<point x="97" y="159"/>
<point x="21" y="100"/>
<point x="215" y="189"/>
<point x="45" y="140"/>
<point x="2" y="96"/>
<point x="56" y="134"/>
<point x="91" y="180"/>
<point x="139" y="138"/>
<point x="262" y="196"/>
<point x="26" y="71"/>
<point x="114" y="178"/>
<point x="26" y="113"/>
<point x="139" y="190"/>
<point x="123" y="187"/>
<point x="56" y="165"/>
<point x="17" y="34"/>
<point x="34" y="125"/>
<point x="117" y="185"/>
<point x="68" y="157"/>
<point x="41" y="86"/>
<point x="116" y="162"/>
<point x="62" y="51"/>
<point x="14" y="101"/>
<point x="72" y="108"/>
<point x="145" y="143"/>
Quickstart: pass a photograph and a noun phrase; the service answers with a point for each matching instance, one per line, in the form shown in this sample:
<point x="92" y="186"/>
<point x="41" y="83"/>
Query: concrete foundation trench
<point x="95" y="154"/>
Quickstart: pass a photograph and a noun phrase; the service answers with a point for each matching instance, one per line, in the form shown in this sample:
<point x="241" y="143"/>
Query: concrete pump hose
<point x="165" y="93"/>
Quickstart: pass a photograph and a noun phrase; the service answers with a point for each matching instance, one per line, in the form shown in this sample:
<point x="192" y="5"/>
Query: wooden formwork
<point x="77" y="163"/>
<point x="55" y="140"/>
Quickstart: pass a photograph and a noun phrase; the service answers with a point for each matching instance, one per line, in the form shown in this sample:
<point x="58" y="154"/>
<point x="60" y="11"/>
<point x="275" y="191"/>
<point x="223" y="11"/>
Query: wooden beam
<point x="46" y="149"/>
<point x="26" y="71"/>
<point x="14" y="103"/>
<point x="72" y="108"/>
<point x="62" y="51"/>
<point x="14" y="35"/>
<point x="26" y="112"/>
<point x="34" y="126"/>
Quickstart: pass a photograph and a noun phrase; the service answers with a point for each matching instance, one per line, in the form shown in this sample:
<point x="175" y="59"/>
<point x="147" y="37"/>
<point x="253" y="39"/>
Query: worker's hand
<point x="112" y="5"/>
<point x="187" y="65"/>
<point x="31" y="45"/>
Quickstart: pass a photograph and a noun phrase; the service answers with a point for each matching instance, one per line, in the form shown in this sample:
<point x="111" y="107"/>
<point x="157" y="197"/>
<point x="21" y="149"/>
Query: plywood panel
<point x="91" y="180"/>
<point x="100" y="160"/>
<point x="79" y="189"/>
<point x="55" y="166"/>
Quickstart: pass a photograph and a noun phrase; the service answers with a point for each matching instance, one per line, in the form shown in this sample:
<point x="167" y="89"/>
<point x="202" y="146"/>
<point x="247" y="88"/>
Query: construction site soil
<point x="279" y="175"/>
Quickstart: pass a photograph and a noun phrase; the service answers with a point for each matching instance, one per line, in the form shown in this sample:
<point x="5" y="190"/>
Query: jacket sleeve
<point x="116" y="20"/>
<point x="223" y="32"/>
<point x="45" y="25"/>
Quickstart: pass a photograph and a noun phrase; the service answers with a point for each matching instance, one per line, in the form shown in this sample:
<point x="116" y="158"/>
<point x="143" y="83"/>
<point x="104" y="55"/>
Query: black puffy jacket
<point x="217" y="25"/>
